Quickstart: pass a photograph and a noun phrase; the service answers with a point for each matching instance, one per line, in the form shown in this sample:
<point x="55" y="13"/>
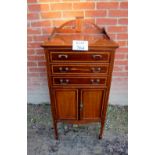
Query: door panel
<point x="92" y="100"/>
<point x="66" y="102"/>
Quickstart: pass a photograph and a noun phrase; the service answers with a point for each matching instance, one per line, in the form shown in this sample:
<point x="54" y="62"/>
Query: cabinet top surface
<point x="79" y="29"/>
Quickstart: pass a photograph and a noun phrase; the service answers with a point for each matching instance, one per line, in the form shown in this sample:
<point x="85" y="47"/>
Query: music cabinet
<point x="79" y="81"/>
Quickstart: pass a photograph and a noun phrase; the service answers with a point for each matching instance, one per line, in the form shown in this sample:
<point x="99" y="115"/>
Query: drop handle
<point x="65" y="69"/>
<point x="64" y="81"/>
<point x="98" y="69"/>
<point x="61" y="56"/>
<point x="96" y="56"/>
<point x="95" y="81"/>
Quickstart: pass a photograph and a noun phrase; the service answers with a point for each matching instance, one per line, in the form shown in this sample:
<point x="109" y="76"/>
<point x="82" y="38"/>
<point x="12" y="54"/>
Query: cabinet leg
<point x="101" y="130"/>
<point x="55" y="130"/>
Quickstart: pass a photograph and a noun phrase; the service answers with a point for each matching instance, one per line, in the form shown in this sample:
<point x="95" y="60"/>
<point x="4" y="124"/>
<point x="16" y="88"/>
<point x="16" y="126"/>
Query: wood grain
<point x="92" y="103"/>
<point x="66" y="102"/>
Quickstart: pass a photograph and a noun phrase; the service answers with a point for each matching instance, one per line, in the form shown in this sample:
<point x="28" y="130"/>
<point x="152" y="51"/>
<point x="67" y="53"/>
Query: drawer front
<point x="73" y="57"/>
<point x="77" y="81"/>
<point x="74" y="69"/>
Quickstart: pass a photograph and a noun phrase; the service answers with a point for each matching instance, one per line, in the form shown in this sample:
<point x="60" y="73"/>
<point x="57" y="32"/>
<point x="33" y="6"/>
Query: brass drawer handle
<point x="64" y="81"/>
<point x="95" y="81"/>
<point x="96" y="57"/>
<point x="61" y="56"/>
<point x="65" y="69"/>
<point x="96" y="69"/>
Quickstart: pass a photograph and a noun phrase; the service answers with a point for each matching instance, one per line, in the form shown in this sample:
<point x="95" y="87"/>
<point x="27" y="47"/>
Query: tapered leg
<point x="55" y="130"/>
<point x="101" y="130"/>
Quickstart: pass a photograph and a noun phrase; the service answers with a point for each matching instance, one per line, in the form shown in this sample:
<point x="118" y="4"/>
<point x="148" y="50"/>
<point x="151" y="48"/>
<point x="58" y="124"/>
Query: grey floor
<point x="77" y="140"/>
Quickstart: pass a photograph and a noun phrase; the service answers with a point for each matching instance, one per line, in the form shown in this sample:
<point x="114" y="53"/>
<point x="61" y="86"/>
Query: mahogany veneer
<point x="79" y="81"/>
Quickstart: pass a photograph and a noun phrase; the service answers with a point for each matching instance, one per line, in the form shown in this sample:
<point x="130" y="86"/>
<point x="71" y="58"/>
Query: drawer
<point x="77" y="81"/>
<point x="80" y="56"/>
<point x="84" y="68"/>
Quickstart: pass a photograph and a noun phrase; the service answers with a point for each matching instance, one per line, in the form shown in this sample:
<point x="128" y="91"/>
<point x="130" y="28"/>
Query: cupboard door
<point x="91" y="103"/>
<point x="66" y="102"/>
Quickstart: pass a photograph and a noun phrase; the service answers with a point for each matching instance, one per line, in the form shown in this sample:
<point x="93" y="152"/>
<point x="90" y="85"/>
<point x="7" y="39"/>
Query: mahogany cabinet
<point x="79" y="81"/>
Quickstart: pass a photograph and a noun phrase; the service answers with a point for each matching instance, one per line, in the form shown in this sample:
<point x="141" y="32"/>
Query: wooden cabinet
<point x="79" y="81"/>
